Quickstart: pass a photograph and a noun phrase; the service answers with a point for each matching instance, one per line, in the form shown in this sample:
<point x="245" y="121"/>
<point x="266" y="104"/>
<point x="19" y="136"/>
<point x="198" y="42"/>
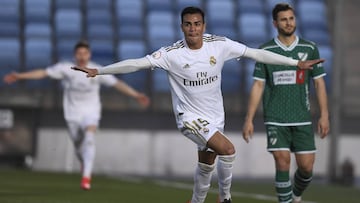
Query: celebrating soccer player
<point x="286" y="104"/>
<point x="194" y="69"/>
<point x="81" y="102"/>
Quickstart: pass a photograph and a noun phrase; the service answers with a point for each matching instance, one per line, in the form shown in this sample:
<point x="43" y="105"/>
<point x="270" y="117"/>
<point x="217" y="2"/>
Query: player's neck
<point x="82" y="65"/>
<point x="287" y="40"/>
<point x="194" y="46"/>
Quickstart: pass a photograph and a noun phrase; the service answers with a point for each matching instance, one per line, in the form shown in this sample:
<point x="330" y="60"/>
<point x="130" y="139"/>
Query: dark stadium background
<point x="38" y="33"/>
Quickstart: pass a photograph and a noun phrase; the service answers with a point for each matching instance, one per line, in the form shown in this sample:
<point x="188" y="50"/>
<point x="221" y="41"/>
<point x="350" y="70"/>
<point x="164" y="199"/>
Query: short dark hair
<point x="81" y="44"/>
<point x="280" y="7"/>
<point x="192" y="10"/>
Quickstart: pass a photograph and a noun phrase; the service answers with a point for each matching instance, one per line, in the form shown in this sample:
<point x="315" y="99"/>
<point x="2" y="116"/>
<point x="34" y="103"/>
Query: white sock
<point x="296" y="198"/>
<point x="202" y="179"/>
<point x="224" y="170"/>
<point x="88" y="153"/>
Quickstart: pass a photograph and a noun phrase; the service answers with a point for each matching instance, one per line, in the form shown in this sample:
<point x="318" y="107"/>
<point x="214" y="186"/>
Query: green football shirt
<point x="286" y="94"/>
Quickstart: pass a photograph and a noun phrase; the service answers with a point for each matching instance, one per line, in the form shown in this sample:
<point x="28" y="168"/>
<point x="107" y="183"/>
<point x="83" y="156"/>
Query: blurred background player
<point x="194" y="68"/>
<point x="81" y="102"/>
<point x="287" y="107"/>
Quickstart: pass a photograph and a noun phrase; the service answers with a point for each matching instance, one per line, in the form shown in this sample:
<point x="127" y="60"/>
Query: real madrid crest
<point x="206" y="130"/>
<point x="212" y="60"/>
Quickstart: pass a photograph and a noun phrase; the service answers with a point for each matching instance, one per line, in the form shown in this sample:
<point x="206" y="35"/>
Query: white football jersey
<point x="81" y="97"/>
<point x="195" y="76"/>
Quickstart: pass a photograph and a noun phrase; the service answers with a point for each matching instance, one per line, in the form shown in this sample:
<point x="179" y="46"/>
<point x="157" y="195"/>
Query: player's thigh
<point x="303" y="140"/>
<point x="90" y="122"/>
<point x="282" y="159"/>
<point x="278" y="138"/>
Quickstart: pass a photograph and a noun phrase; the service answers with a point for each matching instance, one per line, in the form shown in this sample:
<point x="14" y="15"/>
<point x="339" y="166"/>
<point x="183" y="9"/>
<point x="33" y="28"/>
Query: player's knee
<point x="282" y="163"/>
<point x="229" y="150"/>
<point x="89" y="142"/>
<point x="282" y="160"/>
<point x="91" y="128"/>
<point x="89" y="138"/>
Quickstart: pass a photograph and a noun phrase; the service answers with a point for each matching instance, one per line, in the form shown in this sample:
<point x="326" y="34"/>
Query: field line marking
<point x="180" y="185"/>
<point x="187" y="186"/>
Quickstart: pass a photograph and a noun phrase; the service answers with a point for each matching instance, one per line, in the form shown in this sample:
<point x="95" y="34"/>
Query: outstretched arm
<point x="126" y="66"/>
<point x="254" y="100"/>
<point x="31" y="75"/>
<point x="141" y="98"/>
<point x="323" y="124"/>
<point x="268" y="57"/>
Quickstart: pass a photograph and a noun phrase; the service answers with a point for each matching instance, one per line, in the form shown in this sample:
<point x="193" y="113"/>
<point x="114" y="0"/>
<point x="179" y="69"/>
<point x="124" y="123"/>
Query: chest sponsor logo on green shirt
<point x="289" y="77"/>
<point x="286" y="77"/>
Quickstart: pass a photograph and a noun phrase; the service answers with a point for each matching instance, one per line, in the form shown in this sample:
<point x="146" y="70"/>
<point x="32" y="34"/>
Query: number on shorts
<point x="203" y="122"/>
<point x="196" y="125"/>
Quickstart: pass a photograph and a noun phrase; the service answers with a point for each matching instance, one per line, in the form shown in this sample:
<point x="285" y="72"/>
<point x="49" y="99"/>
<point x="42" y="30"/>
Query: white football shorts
<point x="199" y="130"/>
<point x="77" y="129"/>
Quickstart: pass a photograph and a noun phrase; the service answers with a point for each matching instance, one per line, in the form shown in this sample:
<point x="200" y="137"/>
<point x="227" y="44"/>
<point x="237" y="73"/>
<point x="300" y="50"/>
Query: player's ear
<point x="204" y="29"/>
<point x="90" y="54"/>
<point x="275" y="24"/>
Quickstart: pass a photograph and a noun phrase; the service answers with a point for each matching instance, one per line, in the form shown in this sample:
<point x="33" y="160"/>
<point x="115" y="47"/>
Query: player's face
<point x="285" y="23"/>
<point x="82" y="56"/>
<point x="193" y="27"/>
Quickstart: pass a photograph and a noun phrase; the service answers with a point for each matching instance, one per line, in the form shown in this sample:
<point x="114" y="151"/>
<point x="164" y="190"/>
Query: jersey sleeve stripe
<point x="177" y="45"/>
<point x="260" y="79"/>
<point x="213" y="38"/>
<point x="319" y="76"/>
<point x="307" y="45"/>
<point x="270" y="47"/>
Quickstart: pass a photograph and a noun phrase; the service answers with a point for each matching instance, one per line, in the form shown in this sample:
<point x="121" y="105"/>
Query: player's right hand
<point x="11" y="78"/>
<point x="90" y="72"/>
<point x="248" y="130"/>
<point x="143" y="100"/>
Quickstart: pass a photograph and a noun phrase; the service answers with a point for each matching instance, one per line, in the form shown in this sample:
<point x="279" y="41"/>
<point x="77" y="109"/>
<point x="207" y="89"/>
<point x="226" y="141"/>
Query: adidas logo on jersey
<point x="186" y="66"/>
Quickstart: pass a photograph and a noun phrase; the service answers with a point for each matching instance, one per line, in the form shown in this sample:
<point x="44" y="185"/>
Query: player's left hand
<point x="323" y="127"/>
<point x="309" y="63"/>
<point x="143" y="100"/>
<point x="248" y="130"/>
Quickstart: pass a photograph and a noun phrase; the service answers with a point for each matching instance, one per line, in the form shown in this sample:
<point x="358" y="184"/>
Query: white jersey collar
<point x="193" y="50"/>
<point x="284" y="47"/>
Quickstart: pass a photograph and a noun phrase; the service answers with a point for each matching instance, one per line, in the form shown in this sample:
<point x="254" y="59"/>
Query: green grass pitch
<point x="18" y="186"/>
